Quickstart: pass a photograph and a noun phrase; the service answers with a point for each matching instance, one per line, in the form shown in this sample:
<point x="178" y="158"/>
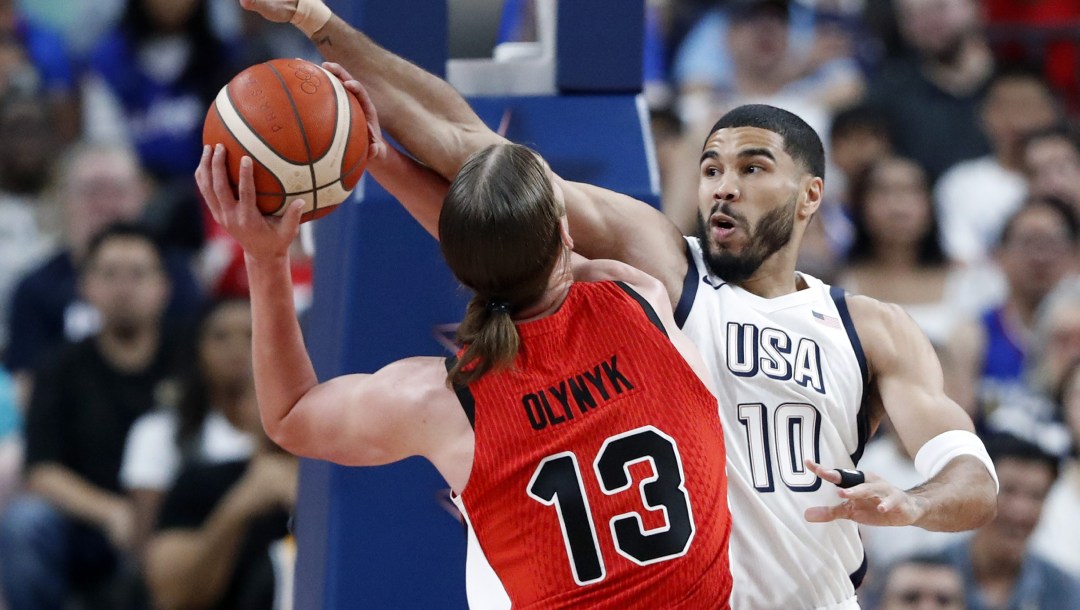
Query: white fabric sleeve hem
<point x="943" y="448"/>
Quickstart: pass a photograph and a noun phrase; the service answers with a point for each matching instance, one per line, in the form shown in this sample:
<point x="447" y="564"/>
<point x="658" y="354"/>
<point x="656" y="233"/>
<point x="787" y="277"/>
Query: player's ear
<point x="813" y="192"/>
<point x="564" y="232"/>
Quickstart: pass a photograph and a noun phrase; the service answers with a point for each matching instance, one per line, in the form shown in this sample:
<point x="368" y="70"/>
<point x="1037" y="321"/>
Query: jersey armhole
<point x="862" y="420"/>
<point x="465" y="397"/>
<point x="689" y="288"/>
<point x="645" y="305"/>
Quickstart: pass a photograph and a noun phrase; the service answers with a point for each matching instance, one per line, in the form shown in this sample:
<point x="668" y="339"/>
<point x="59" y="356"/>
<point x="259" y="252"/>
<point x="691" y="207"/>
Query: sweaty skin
<point x="437" y="126"/>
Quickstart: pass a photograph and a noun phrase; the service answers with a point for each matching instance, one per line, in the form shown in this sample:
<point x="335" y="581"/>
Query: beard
<point x="771" y="233"/>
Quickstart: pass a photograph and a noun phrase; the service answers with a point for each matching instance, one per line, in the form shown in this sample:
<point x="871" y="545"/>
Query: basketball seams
<point x="359" y="162"/>
<point x="250" y="116"/>
<point x="228" y="129"/>
<point x="362" y="159"/>
<point x="303" y="134"/>
<point x="328" y="167"/>
<point x="227" y="91"/>
<point x="339" y="92"/>
<point x="230" y="116"/>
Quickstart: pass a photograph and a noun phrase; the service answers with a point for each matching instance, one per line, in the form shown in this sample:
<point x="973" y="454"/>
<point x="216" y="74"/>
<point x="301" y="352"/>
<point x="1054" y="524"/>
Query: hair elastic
<point x="495" y="306"/>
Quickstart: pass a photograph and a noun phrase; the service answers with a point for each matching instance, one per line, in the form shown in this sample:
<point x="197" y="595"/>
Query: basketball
<point x="306" y="135"/>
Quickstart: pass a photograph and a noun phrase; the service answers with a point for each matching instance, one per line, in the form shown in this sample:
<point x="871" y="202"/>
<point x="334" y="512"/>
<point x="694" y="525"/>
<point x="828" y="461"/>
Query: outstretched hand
<point x="262" y="237"/>
<point x="874" y="502"/>
<point x="376" y="145"/>
<point x="278" y="11"/>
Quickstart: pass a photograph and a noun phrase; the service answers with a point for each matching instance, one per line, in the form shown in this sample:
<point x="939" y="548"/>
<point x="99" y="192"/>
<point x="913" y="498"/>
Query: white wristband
<point x="310" y="16"/>
<point x="943" y="448"/>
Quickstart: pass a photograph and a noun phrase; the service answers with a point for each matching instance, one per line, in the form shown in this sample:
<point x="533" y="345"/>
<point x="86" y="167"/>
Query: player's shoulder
<point x="883" y="328"/>
<point x="606" y="270"/>
<point x="419" y="381"/>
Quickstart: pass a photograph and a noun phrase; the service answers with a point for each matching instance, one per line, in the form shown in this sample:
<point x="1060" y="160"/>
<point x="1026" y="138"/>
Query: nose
<point x="727" y="189"/>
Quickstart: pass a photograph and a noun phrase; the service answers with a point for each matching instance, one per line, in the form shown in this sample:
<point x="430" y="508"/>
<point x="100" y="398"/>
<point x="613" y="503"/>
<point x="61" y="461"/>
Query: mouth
<point x="722" y="226"/>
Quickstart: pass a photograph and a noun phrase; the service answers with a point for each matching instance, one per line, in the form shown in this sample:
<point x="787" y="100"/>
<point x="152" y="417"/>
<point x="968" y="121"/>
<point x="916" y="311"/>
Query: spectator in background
<point x="28" y="223"/>
<point x="98" y="186"/>
<point x="975" y="197"/>
<point x="1027" y="23"/>
<point x="858" y="136"/>
<point x="53" y="72"/>
<point x="999" y="571"/>
<point x="1057" y="537"/>
<point x="207" y="421"/>
<point x="986" y="357"/>
<point x="931" y="99"/>
<point x="11" y="442"/>
<point x="764" y="70"/>
<point x="74" y="527"/>
<point x="857" y="139"/>
<point x="922" y="582"/>
<point x="161" y="69"/>
<point x="220" y="527"/>
<point x="896" y="255"/>
<point x="1056" y="341"/>
<point x="1052" y="164"/>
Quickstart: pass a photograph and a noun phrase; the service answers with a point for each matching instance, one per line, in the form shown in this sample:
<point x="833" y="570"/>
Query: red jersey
<point x="598" y="474"/>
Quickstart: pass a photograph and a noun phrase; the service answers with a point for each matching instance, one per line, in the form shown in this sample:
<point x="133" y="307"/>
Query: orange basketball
<point x="305" y="133"/>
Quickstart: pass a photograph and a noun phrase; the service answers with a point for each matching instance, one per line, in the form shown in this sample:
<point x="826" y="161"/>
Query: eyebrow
<point x="757" y="152"/>
<point x="743" y="154"/>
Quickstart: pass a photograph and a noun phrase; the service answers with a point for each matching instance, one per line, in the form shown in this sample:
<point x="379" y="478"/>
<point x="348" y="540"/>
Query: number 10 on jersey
<point x="557" y="482"/>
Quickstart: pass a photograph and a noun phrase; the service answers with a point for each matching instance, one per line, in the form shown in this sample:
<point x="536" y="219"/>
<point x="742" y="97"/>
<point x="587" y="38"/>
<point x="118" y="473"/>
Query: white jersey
<point x="791" y="376"/>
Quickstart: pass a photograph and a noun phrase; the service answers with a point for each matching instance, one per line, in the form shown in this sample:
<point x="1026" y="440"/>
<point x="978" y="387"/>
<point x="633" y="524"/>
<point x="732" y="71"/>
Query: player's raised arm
<point x="402" y="410"/>
<point x="960" y="489"/>
<point x="420" y="110"/>
<point x="437" y="126"/>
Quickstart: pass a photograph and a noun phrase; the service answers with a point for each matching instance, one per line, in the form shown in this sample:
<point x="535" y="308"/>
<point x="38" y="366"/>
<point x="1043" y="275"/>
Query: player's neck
<point x="552" y="299"/>
<point x="775" y="277"/>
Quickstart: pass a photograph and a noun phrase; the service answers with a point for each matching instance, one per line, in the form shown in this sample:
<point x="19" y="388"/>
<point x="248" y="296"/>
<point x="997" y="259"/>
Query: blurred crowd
<point x="953" y="190"/>
<point x="133" y="469"/>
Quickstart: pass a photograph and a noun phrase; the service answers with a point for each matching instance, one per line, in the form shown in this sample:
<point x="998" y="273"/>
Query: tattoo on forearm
<point x="324" y="40"/>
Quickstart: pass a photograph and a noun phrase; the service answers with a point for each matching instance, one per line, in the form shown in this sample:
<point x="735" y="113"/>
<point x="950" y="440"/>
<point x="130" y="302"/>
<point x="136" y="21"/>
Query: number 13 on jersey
<point x="558" y="482"/>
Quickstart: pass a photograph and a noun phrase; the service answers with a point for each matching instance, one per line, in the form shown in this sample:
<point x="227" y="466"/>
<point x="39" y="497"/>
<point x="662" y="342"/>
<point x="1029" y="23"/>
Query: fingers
<point x="247" y="185"/>
<point x="290" y="220"/>
<point x="825" y="514"/>
<point x="202" y="179"/>
<point x="827" y="474"/>
<point x="377" y="148"/>
<point x="219" y="178"/>
<point x="867" y="492"/>
<point x="337" y="70"/>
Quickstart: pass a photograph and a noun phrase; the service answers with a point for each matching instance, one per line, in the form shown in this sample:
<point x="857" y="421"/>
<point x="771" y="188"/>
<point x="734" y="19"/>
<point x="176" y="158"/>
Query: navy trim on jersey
<point x="858" y="575"/>
<point x="465" y="397"/>
<point x="689" y="288"/>
<point x="862" y="419"/>
<point x="649" y="311"/>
